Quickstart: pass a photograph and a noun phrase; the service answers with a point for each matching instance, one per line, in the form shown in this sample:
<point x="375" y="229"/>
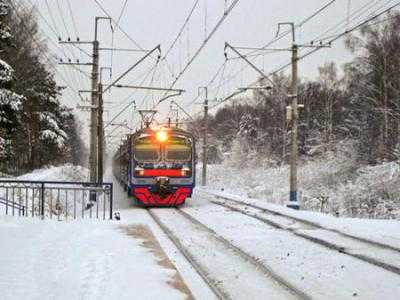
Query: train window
<point x="146" y="151"/>
<point x="146" y="155"/>
<point x="178" y="149"/>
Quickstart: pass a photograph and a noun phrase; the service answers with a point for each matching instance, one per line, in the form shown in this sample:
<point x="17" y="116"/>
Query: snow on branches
<point x="53" y="132"/>
<point x="6" y="72"/>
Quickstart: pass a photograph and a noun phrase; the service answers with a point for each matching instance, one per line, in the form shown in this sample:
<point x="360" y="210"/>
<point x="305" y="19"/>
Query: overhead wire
<point x="72" y="18"/>
<point x="39" y="48"/>
<point x="58" y="35"/>
<point x="271" y="42"/>
<point x="363" y="9"/>
<point x="358" y="13"/>
<point x="55" y="31"/>
<point x="125" y="33"/>
<point x="124" y="6"/>
<point x="301" y="57"/>
<point x="131" y="102"/>
<point x="186" y="22"/>
<point x="204" y="43"/>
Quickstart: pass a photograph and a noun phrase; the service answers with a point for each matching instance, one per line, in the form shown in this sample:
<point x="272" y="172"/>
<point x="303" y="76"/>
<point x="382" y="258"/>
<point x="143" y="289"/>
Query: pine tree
<point x="10" y="101"/>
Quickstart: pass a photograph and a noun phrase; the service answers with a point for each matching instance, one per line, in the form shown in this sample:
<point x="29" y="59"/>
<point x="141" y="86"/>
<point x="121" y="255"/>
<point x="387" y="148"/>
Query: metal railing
<point x="56" y="199"/>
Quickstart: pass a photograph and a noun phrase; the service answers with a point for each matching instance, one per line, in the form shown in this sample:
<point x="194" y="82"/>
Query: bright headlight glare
<point x="162" y="136"/>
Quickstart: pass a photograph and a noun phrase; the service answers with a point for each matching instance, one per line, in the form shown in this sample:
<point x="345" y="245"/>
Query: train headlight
<point x="162" y="136"/>
<point x="139" y="172"/>
<point x="186" y="171"/>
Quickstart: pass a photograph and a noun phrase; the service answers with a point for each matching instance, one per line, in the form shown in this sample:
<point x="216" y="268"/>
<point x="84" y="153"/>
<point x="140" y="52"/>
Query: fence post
<point x="42" y="201"/>
<point x="111" y="201"/>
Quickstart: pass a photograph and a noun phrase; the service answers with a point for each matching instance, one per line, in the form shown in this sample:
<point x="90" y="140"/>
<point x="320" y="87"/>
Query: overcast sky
<point x="251" y="23"/>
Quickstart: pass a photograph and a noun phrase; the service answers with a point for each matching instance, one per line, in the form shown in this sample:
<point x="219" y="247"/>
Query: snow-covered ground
<point x="134" y="259"/>
<point x="92" y="259"/>
<point x="335" y="183"/>
<point x="62" y="173"/>
<point x="81" y="260"/>
<point x="379" y="230"/>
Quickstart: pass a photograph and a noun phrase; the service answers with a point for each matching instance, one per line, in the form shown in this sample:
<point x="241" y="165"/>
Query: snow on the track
<point x="236" y="276"/>
<point x="317" y="271"/>
<point x="382" y="231"/>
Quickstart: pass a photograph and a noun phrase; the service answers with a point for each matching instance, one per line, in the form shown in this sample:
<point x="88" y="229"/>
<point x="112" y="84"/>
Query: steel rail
<point x="218" y="292"/>
<point x="266" y="270"/>
<point x="321" y="242"/>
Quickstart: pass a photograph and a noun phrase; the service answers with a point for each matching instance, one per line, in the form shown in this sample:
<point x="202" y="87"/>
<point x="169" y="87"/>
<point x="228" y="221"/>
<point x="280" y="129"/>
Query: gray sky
<point x="150" y="22"/>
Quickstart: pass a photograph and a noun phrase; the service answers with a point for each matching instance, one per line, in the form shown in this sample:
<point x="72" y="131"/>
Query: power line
<point x="274" y="40"/>
<point x="210" y="35"/>
<point x="319" y="48"/>
<point x="39" y="48"/>
<point x="112" y="35"/>
<point x="62" y="18"/>
<point x="122" y="11"/>
<point x="72" y="17"/>
<point x="117" y="25"/>
<point x="350" y="18"/>
<point x="124" y="32"/>
<point x="57" y="34"/>
<point x="196" y="2"/>
<point x="130" y="103"/>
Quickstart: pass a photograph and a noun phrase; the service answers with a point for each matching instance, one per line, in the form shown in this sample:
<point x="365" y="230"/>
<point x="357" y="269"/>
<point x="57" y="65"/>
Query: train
<point x="157" y="166"/>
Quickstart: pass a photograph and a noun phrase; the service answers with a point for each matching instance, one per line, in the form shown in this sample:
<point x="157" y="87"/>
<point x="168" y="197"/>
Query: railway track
<point x="372" y="252"/>
<point x="230" y="272"/>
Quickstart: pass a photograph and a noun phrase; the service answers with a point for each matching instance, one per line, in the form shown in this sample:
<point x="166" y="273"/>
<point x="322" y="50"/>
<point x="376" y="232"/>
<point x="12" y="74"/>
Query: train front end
<point x="162" y="167"/>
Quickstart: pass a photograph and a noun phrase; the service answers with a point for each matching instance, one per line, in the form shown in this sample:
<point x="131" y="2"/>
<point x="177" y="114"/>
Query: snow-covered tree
<point x="35" y="127"/>
<point x="10" y="102"/>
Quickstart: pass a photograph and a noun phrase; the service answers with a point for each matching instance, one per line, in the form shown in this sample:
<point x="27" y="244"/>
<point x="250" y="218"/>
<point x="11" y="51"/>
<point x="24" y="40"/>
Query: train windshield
<point x="178" y="149"/>
<point x="146" y="151"/>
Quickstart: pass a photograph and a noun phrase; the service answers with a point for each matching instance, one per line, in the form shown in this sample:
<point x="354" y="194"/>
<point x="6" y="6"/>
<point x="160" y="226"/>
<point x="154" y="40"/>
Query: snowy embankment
<point x="87" y="259"/>
<point x="335" y="184"/>
<point x="66" y="172"/>
<point x="61" y="173"/>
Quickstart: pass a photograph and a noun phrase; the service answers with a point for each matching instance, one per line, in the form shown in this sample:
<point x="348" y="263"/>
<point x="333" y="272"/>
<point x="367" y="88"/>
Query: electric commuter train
<point x="157" y="167"/>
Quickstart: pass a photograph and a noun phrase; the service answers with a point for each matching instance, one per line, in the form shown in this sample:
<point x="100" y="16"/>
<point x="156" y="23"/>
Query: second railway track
<point x="375" y="253"/>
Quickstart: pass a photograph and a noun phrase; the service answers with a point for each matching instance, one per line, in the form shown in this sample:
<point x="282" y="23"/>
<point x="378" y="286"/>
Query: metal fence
<point x="62" y="200"/>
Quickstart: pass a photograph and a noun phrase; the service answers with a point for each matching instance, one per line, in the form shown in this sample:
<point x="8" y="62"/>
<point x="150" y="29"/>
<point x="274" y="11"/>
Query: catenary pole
<point x="205" y="138"/>
<point x="293" y="193"/>
<point x="100" y="134"/>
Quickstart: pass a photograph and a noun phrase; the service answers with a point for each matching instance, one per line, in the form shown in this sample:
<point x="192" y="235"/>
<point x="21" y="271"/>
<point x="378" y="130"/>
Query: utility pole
<point x="293" y="199"/>
<point x="100" y="133"/>
<point x="93" y="151"/>
<point x="94" y="96"/>
<point x="93" y="112"/>
<point x="294" y="113"/>
<point x="205" y="138"/>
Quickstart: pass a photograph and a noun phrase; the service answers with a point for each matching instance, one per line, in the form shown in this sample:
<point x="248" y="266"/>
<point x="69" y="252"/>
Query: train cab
<point x="161" y="166"/>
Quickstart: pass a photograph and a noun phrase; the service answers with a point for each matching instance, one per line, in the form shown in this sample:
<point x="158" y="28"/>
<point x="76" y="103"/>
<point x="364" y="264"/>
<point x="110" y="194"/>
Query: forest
<point x="349" y="133"/>
<point x="358" y="102"/>
<point x="36" y="130"/>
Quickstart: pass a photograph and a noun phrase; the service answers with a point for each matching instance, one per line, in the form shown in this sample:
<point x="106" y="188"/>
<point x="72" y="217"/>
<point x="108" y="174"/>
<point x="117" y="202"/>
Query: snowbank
<point x="66" y="172"/>
<point x="55" y="203"/>
<point x="335" y="184"/>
